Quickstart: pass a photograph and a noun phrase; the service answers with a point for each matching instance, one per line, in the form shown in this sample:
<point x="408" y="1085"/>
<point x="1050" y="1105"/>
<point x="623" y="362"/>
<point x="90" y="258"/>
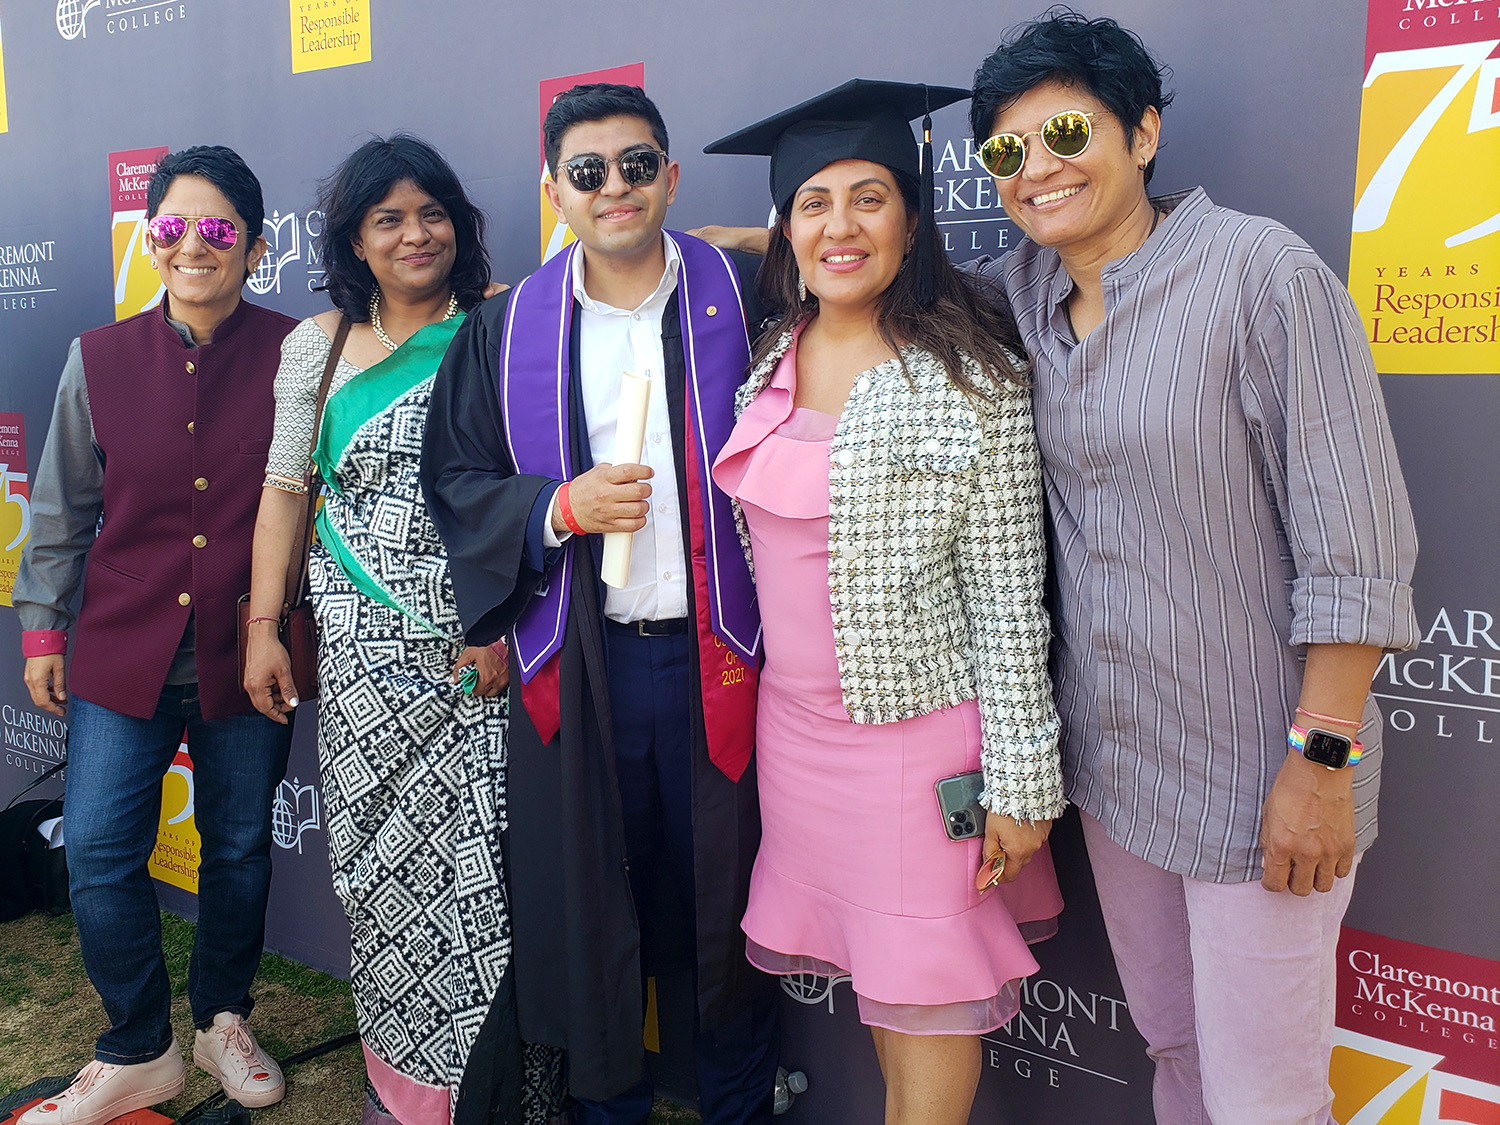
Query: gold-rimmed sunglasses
<point x="1065" y="134"/>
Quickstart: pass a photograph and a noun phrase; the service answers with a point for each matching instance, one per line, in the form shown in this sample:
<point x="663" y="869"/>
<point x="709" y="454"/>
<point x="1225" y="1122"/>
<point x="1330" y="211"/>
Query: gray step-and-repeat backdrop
<point x="1369" y="126"/>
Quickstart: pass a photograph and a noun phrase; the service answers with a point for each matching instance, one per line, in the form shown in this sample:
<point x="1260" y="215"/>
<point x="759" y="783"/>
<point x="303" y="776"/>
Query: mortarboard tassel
<point x="924" y="247"/>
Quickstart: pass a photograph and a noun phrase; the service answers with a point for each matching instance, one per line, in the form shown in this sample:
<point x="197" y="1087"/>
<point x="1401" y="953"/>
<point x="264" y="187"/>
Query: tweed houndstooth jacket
<point x="936" y="561"/>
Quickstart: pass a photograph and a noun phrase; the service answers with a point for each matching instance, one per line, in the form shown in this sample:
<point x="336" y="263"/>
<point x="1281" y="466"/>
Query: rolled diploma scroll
<point x="630" y="436"/>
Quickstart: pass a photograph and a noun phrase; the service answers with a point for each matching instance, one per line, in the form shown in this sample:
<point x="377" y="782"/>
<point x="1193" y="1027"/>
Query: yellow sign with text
<point x="175" y="858"/>
<point x="555" y="233"/>
<point x="15" y="500"/>
<point x="329" y="33"/>
<point x="138" y="287"/>
<point x="4" y="121"/>
<point x="1424" y="260"/>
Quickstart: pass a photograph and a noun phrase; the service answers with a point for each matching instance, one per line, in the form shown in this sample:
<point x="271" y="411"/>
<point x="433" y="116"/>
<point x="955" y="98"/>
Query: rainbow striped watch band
<point x="1296" y="738"/>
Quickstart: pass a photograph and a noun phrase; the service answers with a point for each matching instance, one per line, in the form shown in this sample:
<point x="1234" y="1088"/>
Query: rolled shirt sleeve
<point x="1314" y="398"/>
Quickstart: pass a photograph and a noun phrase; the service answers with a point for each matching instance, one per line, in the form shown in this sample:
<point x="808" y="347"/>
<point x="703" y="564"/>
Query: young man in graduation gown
<point x="633" y="819"/>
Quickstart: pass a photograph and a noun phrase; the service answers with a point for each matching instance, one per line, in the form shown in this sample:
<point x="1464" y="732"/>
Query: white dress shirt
<point x="612" y="341"/>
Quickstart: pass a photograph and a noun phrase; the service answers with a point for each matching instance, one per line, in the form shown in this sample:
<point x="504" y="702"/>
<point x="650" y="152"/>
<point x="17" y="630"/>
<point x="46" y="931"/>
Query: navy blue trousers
<point x="650" y="679"/>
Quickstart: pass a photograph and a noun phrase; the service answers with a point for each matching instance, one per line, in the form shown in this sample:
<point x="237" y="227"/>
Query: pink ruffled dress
<point x="855" y="873"/>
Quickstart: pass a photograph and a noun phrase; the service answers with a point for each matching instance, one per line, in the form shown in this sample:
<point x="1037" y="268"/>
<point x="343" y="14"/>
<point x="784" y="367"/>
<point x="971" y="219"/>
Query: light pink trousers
<point x="1231" y="986"/>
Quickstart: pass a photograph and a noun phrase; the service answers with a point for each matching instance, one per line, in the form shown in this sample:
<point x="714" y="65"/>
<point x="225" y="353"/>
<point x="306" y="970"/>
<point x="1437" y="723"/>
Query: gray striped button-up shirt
<point x="1223" y="491"/>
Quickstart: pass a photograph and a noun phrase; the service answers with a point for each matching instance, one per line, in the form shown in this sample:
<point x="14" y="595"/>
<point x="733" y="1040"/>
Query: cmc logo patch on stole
<point x="137" y="286"/>
<point x="1424" y="259"/>
<point x="555" y="233"/>
<point x="329" y="33"/>
<point x="1416" y="1040"/>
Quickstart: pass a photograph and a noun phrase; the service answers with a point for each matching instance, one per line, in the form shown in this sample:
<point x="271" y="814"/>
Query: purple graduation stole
<point x="534" y="398"/>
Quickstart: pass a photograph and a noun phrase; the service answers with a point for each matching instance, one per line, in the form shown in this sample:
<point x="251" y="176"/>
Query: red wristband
<point x="567" y="510"/>
<point x="44" y="642"/>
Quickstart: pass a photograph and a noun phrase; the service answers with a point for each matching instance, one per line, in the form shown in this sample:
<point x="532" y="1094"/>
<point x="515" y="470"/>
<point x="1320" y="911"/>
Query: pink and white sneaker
<point x="103" y="1091"/>
<point x="229" y="1052"/>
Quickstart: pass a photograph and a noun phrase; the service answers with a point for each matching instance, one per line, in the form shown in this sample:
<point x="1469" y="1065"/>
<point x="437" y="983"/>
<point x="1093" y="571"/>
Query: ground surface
<point x="49" y="1016"/>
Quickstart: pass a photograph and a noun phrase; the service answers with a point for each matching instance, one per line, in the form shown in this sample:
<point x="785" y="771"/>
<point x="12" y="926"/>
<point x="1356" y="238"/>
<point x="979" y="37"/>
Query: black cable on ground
<point x="320" y="1049"/>
<point x="216" y="1109"/>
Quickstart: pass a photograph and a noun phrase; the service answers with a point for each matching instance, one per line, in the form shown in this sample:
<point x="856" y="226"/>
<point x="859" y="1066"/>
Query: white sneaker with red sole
<point x="103" y="1091"/>
<point x="229" y="1052"/>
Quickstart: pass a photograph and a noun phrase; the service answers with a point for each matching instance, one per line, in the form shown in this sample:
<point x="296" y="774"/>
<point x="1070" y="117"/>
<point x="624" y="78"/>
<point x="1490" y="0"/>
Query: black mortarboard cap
<point x="861" y="120"/>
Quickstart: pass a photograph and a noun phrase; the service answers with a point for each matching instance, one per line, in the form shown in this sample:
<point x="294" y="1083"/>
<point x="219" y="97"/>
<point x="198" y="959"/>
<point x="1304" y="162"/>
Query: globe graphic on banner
<point x="811" y="988"/>
<point x="293" y="812"/>
<point x="70" y="15"/>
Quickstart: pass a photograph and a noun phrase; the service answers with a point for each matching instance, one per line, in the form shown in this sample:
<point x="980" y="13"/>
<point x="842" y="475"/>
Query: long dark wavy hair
<point x="363" y="180"/>
<point x="962" y="317"/>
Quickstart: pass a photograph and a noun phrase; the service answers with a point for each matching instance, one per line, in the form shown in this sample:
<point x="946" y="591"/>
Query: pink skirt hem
<point x="968" y="984"/>
<point x="969" y="1017"/>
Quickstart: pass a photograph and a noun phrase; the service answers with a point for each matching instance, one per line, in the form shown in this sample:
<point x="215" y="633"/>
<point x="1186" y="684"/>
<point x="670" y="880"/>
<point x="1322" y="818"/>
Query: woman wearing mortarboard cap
<point x="885" y="472"/>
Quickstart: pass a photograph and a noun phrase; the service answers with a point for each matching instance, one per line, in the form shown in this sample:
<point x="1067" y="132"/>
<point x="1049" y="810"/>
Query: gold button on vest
<point x="201" y="484"/>
<point x="184" y="599"/>
<point x="200" y="541"/>
<point x="190" y="427"/>
<point x="190" y="368"/>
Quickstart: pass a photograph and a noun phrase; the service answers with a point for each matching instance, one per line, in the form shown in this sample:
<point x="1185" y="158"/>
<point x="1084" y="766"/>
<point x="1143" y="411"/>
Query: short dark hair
<point x="1104" y="58"/>
<point x="220" y="166"/>
<point x="595" y="101"/>
<point x="928" y="303"/>
<point x="366" y="177"/>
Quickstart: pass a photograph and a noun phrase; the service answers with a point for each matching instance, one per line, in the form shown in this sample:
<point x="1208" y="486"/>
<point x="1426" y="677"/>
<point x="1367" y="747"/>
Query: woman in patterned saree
<point x="411" y="724"/>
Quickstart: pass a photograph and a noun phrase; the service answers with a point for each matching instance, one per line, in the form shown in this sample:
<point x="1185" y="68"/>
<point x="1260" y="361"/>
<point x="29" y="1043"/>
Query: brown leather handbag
<point x="297" y="630"/>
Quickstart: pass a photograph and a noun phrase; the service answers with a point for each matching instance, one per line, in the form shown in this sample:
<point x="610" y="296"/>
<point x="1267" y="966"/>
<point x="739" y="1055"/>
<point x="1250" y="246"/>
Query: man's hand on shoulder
<point x="748" y="240"/>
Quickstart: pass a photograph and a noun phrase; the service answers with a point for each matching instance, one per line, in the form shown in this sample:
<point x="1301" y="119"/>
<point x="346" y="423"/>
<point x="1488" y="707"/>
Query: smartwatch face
<point x="1327" y="749"/>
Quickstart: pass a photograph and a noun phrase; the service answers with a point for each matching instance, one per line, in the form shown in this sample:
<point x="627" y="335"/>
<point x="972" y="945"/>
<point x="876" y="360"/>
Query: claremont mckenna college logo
<point x="119" y="15"/>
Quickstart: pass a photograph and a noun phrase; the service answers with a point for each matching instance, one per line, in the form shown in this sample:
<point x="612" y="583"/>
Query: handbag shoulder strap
<point x="296" y="579"/>
<point x="37" y="782"/>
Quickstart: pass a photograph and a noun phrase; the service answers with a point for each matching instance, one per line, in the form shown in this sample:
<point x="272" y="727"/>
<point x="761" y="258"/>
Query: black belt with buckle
<point x="664" y="628"/>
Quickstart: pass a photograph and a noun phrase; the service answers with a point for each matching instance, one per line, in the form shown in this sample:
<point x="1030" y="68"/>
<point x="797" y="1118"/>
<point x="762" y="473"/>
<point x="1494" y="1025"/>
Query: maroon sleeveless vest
<point x="185" y="432"/>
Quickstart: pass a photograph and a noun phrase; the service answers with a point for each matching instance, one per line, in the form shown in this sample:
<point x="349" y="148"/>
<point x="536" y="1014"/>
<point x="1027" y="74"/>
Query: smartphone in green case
<point x="958" y="801"/>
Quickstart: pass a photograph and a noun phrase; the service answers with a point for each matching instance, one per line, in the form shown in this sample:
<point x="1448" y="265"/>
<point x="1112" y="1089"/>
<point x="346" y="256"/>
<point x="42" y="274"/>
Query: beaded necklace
<point x="380" y="333"/>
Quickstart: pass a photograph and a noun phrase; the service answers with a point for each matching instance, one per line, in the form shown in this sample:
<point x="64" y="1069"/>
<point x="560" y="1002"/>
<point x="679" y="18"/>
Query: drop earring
<point x="801" y="289"/>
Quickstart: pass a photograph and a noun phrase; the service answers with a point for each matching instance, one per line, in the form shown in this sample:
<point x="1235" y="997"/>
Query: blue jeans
<point x="116" y="764"/>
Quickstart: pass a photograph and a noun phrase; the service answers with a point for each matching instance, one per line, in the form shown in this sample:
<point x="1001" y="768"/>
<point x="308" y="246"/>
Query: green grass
<point x="49" y="1016"/>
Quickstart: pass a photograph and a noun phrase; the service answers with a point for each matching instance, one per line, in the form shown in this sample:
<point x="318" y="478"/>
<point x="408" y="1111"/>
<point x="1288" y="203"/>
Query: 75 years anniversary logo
<point x="1416" y="1041"/>
<point x="1424" y="260"/>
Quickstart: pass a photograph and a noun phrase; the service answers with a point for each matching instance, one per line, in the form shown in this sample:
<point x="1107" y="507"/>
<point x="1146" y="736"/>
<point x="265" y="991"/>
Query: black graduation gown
<point x="577" y="948"/>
